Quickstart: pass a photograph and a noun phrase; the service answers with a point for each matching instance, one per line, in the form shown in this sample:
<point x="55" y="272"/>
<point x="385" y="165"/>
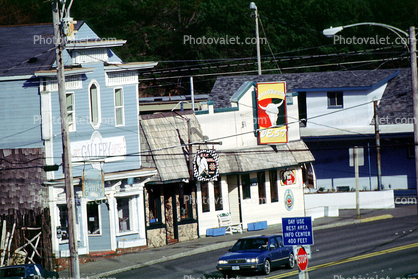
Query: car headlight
<point x="222" y="262"/>
<point x="253" y="260"/>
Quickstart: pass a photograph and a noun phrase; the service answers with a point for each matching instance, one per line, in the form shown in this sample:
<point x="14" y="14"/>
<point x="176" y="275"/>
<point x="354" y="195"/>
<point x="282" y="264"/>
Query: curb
<point x="226" y="244"/>
<point x="165" y="259"/>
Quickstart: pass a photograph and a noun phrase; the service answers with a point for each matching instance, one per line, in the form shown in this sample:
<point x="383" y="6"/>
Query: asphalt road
<point x="385" y="249"/>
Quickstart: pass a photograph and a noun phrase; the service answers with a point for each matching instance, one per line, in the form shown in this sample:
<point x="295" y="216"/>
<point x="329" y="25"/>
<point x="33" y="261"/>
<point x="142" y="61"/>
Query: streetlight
<point x="254" y="7"/>
<point x="412" y="48"/>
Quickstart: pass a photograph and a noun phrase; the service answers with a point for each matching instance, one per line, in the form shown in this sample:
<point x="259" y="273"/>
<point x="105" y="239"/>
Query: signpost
<point x="302" y="258"/>
<point x="297" y="231"/>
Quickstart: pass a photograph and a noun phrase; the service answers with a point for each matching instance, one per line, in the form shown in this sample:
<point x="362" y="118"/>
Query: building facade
<point x="102" y="111"/>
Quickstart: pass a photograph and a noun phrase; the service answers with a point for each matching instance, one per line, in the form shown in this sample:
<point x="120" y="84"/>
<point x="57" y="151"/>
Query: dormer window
<point x="94" y="102"/>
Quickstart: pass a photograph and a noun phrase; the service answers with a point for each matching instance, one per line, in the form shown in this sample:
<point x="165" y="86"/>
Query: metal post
<point x="69" y="190"/>
<point x="356" y="171"/>
<point x="413" y="48"/>
<point x="258" y="43"/>
<point x="192" y="92"/>
<point x="376" y="131"/>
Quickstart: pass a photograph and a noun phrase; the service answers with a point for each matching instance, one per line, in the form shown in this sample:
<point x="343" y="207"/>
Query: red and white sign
<point x="302" y="258"/>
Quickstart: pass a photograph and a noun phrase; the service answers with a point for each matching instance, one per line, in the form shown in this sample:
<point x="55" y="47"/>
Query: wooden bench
<point x="225" y="221"/>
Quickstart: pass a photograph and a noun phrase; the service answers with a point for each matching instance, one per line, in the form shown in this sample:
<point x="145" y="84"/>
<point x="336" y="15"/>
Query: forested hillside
<point x="163" y="30"/>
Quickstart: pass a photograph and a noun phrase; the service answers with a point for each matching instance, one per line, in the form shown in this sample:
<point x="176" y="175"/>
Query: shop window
<point x="70" y="111"/>
<point x="154" y="205"/>
<point x="335" y="99"/>
<point x="119" y="107"/>
<point x="62" y="230"/>
<point x="93" y="218"/>
<point x="246" y="190"/>
<point x="124" y="212"/>
<point x="218" y="195"/>
<point x="273" y="186"/>
<point x="186" y="201"/>
<point x="205" y="197"/>
<point x="261" y="180"/>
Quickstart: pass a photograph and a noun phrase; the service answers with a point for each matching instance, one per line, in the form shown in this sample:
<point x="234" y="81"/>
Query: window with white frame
<point x="93" y="218"/>
<point x="70" y="111"/>
<point x="335" y="99"/>
<point x="119" y="107"/>
<point x="127" y="210"/>
<point x="94" y="102"/>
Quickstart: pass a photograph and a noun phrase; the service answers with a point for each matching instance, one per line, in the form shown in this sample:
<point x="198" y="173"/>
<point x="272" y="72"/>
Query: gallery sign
<point x="93" y="184"/>
<point x="271" y="111"/>
<point x="98" y="149"/>
<point x="206" y="165"/>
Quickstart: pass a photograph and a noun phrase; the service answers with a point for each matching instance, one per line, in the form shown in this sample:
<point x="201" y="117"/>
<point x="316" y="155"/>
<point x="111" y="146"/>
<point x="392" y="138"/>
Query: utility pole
<point x="69" y="189"/>
<point x="377" y="135"/>
<point x="413" y="49"/>
<point x="257" y="37"/>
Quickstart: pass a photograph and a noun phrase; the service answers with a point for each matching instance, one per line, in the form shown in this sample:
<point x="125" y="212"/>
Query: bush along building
<point x="102" y="110"/>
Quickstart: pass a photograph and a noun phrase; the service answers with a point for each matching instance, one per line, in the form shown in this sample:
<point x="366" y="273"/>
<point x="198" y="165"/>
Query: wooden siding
<point x="20" y="114"/>
<point x="107" y="128"/>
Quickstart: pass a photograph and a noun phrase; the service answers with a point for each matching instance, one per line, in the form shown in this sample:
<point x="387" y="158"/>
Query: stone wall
<point x="156" y="237"/>
<point x="187" y="232"/>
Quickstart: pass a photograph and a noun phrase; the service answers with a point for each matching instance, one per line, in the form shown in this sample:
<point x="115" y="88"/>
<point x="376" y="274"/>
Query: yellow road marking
<point x="352" y="259"/>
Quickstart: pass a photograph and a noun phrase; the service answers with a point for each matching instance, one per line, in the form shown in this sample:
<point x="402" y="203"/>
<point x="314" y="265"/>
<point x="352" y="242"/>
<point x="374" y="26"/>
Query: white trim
<point x="94" y="44"/>
<point x="99" y="108"/>
<point x="73" y="127"/>
<point x="99" y="211"/>
<point x="46" y="126"/>
<point x="120" y="107"/>
<point x="122" y="77"/>
<point x="12" y="78"/>
<point x="130" y="66"/>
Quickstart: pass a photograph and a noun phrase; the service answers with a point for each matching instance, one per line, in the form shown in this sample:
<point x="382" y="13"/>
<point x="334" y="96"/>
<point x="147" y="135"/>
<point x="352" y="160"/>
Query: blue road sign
<point x="297" y="231"/>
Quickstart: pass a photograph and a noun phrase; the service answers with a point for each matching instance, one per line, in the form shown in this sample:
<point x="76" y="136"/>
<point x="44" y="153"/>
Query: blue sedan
<point x="256" y="253"/>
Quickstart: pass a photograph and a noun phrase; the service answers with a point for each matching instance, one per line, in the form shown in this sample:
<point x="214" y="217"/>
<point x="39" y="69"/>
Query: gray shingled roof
<point x="163" y="134"/>
<point x="392" y="105"/>
<point x="264" y="157"/>
<point x="25" y="49"/>
<point x="397" y="99"/>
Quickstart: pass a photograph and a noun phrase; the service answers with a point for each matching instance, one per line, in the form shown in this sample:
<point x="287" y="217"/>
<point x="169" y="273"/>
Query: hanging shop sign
<point x="287" y="177"/>
<point x="98" y="149"/>
<point x="93" y="184"/>
<point x="206" y="165"/>
<point x="271" y="111"/>
<point x="289" y="199"/>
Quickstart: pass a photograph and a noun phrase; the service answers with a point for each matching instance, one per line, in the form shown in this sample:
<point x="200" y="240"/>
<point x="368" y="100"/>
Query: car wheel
<point x="291" y="262"/>
<point x="266" y="267"/>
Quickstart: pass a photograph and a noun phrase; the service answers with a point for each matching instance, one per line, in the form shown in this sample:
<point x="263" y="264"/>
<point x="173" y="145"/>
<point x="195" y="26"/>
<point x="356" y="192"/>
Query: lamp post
<point x="254" y="7"/>
<point x="408" y="38"/>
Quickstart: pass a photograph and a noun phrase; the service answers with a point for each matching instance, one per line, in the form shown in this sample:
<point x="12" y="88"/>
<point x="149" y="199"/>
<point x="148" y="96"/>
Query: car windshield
<point x="250" y="244"/>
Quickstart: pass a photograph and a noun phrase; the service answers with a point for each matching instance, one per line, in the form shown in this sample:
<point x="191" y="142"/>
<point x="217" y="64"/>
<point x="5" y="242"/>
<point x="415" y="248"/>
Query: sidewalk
<point x="106" y="267"/>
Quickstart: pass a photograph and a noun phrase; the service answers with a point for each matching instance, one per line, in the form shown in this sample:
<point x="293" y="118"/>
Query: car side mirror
<point x="272" y="247"/>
